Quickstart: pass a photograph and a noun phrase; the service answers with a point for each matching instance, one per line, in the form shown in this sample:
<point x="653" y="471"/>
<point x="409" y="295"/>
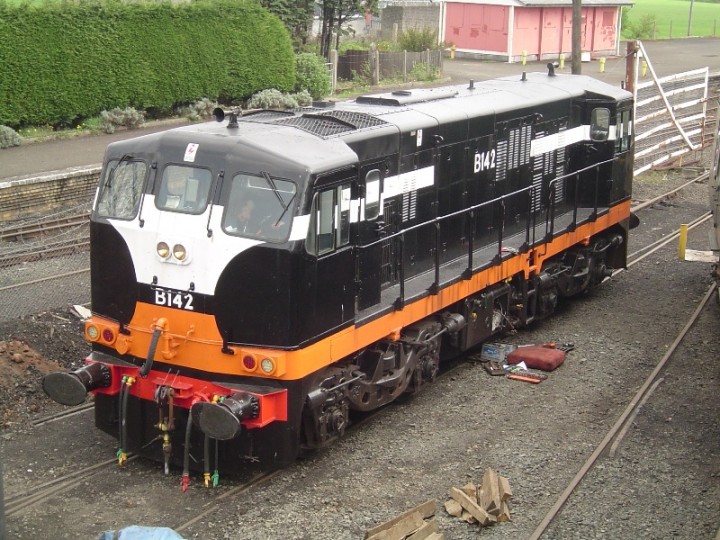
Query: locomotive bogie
<point x="256" y="282"/>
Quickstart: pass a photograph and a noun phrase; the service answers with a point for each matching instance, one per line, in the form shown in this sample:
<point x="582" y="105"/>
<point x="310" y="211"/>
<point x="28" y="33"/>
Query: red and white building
<point x="539" y="29"/>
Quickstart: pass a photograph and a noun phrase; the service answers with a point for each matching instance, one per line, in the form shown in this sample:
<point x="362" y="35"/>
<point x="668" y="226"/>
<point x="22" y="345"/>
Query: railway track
<point x="55" y="236"/>
<point x="213" y="505"/>
<point x="44" y="491"/>
<point x="615" y="434"/>
<point x="66" y="413"/>
<point x="54" y="225"/>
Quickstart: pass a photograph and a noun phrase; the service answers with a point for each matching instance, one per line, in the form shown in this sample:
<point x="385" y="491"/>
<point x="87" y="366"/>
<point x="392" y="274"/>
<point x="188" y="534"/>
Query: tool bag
<point x="535" y="357"/>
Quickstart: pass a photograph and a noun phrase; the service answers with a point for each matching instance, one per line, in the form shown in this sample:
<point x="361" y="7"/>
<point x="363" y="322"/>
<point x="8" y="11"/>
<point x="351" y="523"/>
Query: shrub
<point x="127" y="117"/>
<point x="311" y="74"/>
<point x="304" y="99"/>
<point x="418" y="40"/>
<point x="643" y="28"/>
<point x="266" y="99"/>
<point x="9" y="137"/>
<point x="272" y="99"/>
<point x="203" y="108"/>
<point x="148" y="55"/>
<point x="423" y="72"/>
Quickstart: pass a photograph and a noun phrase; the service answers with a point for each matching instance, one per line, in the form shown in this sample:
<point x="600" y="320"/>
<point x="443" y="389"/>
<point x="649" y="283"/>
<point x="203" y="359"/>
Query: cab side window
<point x="121" y="187"/>
<point x="622" y="142"/>
<point x="329" y="221"/>
<point x="372" y="194"/>
<point x="599" y="124"/>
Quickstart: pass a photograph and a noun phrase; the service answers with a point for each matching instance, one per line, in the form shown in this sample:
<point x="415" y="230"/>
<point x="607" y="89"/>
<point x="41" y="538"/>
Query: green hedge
<point x="64" y="61"/>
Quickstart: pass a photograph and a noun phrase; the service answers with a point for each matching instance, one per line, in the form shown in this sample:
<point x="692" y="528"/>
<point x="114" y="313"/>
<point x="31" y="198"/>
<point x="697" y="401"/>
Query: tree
<point x="335" y="15"/>
<point x="296" y="15"/>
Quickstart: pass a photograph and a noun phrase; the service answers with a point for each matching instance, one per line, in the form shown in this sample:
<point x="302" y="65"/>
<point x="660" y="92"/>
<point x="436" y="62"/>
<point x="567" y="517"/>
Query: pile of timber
<point x="485" y="503"/>
<point x="415" y="524"/>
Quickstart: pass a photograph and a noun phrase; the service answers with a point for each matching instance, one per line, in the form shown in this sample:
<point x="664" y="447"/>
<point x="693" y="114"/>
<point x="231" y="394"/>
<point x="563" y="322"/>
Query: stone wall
<point x="38" y="196"/>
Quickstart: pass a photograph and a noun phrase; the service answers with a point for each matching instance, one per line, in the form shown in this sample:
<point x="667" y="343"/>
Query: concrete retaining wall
<point x="406" y="17"/>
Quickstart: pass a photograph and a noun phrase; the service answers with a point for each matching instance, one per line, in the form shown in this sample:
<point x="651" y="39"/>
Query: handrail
<point x="501" y="201"/>
<point x="485" y="203"/>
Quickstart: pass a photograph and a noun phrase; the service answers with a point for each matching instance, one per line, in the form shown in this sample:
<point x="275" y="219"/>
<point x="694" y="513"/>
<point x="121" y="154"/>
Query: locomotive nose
<point x="72" y="388"/>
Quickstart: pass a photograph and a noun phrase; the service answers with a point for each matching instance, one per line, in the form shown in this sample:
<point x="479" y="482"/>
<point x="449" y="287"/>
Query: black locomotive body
<point x="256" y="279"/>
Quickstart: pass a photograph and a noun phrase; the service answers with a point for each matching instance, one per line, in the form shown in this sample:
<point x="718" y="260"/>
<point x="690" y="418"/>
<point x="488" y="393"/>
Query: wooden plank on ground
<point x="425" y="532"/>
<point x="504" y="514"/>
<point x="467" y="516"/>
<point x="425" y="510"/>
<point x="470" y="490"/>
<point x="453" y="508"/>
<point x="406" y="526"/>
<point x="471" y="506"/>
<point x="489" y="492"/>
<point x="504" y="486"/>
<point x="700" y="256"/>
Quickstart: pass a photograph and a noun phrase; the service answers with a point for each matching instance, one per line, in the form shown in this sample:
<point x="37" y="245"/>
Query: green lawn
<point x="672" y="16"/>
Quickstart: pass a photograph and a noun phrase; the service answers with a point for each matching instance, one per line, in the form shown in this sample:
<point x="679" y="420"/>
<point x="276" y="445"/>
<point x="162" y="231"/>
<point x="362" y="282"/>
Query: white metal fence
<point x="670" y="116"/>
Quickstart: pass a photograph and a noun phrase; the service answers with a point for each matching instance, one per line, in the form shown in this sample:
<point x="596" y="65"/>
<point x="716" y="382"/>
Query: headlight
<point x="92" y="332"/>
<point x="163" y="250"/>
<point x="267" y="365"/>
<point x="179" y="252"/>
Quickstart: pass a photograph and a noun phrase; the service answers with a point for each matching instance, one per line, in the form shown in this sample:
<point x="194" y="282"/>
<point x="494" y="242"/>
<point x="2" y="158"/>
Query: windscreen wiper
<point x="272" y="185"/>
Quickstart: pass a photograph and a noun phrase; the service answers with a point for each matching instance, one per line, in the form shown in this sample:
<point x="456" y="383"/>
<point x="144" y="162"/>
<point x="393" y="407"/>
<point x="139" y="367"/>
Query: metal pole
<point x="690" y="17"/>
<point x="714" y="182"/>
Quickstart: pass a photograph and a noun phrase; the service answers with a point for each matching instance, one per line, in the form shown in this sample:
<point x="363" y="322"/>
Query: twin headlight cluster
<point x="178" y="251"/>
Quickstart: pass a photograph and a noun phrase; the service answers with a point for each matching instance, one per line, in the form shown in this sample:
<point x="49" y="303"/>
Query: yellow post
<point x="643" y="68"/>
<point x="452" y="52"/>
<point x="524" y="57"/>
<point x="682" y="241"/>
<point x="601" y="62"/>
<point x="562" y="61"/>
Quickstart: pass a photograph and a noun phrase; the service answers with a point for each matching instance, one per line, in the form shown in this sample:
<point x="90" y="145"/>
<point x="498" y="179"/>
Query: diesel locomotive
<point x="257" y="278"/>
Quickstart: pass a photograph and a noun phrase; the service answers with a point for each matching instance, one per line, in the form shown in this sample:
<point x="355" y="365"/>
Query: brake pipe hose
<point x="185" y="482"/>
<point x="158" y="328"/>
<point x="206" y="461"/>
<point x="216" y="473"/>
<point x="121" y="454"/>
<point x="120" y="400"/>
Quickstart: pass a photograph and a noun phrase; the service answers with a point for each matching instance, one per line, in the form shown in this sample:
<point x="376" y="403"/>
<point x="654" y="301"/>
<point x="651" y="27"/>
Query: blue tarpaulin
<point x="137" y="532"/>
